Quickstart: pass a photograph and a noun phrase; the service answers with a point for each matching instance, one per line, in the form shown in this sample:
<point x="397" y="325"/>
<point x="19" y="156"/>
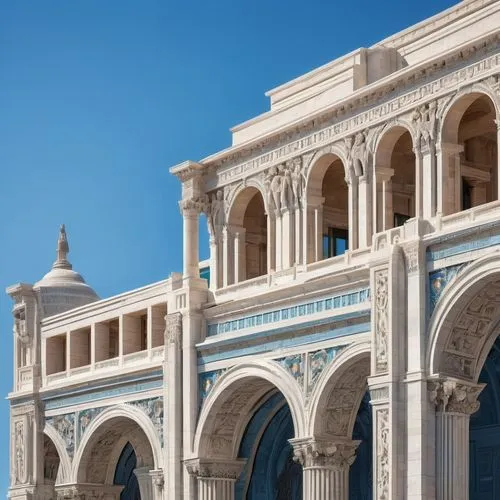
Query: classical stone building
<point x="340" y="343"/>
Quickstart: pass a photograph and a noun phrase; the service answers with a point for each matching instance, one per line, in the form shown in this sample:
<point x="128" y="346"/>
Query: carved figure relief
<point x="424" y="118"/>
<point x="20" y="328"/>
<point x="216" y="218"/>
<point x="381" y="319"/>
<point x="65" y="426"/>
<point x="285" y="185"/>
<point x="383" y="466"/>
<point x="20" y="453"/>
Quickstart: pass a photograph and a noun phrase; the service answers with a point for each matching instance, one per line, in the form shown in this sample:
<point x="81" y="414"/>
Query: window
<point x="400" y="219"/>
<point x="336" y="242"/>
<point x="466" y="195"/>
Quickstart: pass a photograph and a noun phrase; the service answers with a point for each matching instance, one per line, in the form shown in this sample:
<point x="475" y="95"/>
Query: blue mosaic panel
<point x="65" y="427"/>
<point x="439" y="280"/>
<point x="455" y="249"/>
<point x="85" y="417"/>
<point x="153" y="408"/>
<point x="318" y="361"/>
<point x="294" y="364"/>
<point x="206" y="382"/>
<point x="325" y="304"/>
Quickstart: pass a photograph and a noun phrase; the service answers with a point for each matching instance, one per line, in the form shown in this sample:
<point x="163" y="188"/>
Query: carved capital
<point x="195" y="205"/>
<point x="453" y="396"/>
<point x="214" y="469"/>
<point x="412" y="257"/>
<point x="312" y="452"/>
<point x="158" y="479"/>
<point x="173" y="328"/>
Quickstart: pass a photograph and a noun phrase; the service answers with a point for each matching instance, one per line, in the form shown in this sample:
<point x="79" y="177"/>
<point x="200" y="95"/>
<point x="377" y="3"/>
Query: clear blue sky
<point x="99" y="98"/>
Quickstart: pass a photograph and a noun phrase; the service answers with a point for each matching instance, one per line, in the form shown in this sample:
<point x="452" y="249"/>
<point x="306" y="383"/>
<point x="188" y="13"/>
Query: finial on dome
<point x="62" y="250"/>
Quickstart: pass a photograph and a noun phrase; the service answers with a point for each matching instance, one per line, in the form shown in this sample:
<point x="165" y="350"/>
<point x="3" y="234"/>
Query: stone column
<point x="227" y="256"/>
<point x="353" y="212"/>
<point x="425" y="179"/>
<point x="216" y="261"/>
<point x="287" y="238"/>
<point x="455" y="402"/>
<point x="145" y="483"/>
<point x="239" y="255"/>
<point x="216" y="478"/>
<point x="448" y="178"/>
<point x="298" y="235"/>
<point x="271" y="243"/>
<point x="191" y="209"/>
<point x="364" y="212"/>
<point x="384" y="214"/>
<point x="173" y="399"/>
<point x="326" y="467"/>
<point x="278" y="241"/>
<point x="158" y="480"/>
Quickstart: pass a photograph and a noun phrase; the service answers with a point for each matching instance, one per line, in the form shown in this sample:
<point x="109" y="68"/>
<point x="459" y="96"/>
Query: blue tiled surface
<point x="438" y="281"/>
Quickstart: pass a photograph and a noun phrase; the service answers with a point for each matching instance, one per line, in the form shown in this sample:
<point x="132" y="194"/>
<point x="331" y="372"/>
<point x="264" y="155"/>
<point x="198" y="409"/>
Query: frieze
<point x="302" y="140"/>
<point x="292" y="312"/>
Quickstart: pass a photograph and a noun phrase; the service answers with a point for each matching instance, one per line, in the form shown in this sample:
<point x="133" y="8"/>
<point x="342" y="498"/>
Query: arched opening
<point x="116" y="453"/>
<point x="270" y="472"/>
<point x="246" y="237"/>
<point x="327" y="209"/>
<point x="51" y="461"/>
<point x="469" y="154"/>
<point x="124" y="474"/>
<point x="342" y="414"/>
<point x="395" y="175"/>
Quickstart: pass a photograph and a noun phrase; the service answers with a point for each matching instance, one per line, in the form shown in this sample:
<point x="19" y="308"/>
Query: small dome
<point x="62" y="289"/>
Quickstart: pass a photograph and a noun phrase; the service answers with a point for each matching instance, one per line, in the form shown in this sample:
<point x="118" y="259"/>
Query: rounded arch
<point x="245" y="187"/>
<point x="104" y="439"/>
<point x="336" y="397"/>
<point x="64" y="470"/>
<point x="455" y="109"/>
<point x="396" y="124"/>
<point x="462" y="327"/>
<point x="233" y="400"/>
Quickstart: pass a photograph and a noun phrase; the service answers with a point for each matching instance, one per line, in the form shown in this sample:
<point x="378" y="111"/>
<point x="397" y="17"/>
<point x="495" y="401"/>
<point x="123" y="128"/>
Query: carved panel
<point x="383" y="465"/>
<point x="381" y="315"/>
<point x="65" y="427"/>
<point x="173" y="328"/>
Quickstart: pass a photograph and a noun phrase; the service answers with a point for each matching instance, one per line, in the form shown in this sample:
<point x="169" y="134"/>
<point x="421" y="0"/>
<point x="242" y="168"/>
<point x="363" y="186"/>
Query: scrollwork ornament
<point x="381" y="319"/>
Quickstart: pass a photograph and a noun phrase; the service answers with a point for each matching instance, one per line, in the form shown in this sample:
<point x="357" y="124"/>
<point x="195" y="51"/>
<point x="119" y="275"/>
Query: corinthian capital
<point x="215" y="469"/>
<point x="453" y="396"/>
<point x="324" y="453"/>
<point x="194" y="205"/>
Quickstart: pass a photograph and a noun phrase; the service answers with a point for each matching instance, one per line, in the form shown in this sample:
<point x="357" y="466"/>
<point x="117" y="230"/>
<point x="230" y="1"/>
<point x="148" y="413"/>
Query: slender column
<point x="455" y="402"/>
<point x="239" y="255"/>
<point x="326" y="467"/>
<point x="308" y="231"/>
<point x="425" y="181"/>
<point x="497" y="164"/>
<point x="318" y="233"/>
<point x="298" y="235"/>
<point x="216" y="478"/>
<point x="190" y="213"/>
<point x="278" y="221"/>
<point x="448" y="178"/>
<point x="287" y="240"/>
<point x="214" y="263"/>
<point x="353" y="212"/>
<point x="228" y="244"/>
<point x="364" y="212"/>
<point x="387" y="209"/>
<point x="271" y="244"/>
<point x="173" y="399"/>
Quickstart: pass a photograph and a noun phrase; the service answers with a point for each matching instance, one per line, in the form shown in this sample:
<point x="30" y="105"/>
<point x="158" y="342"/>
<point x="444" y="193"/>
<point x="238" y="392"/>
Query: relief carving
<point x="381" y="319"/>
<point x="319" y="453"/>
<point x="424" y="119"/>
<point x="196" y="204"/>
<point x="215" y="215"/>
<point x="452" y="396"/>
<point x="20" y="327"/>
<point x="383" y="466"/>
<point x="20" y="454"/>
<point x="214" y="469"/>
<point x="173" y="328"/>
<point x="285" y="185"/>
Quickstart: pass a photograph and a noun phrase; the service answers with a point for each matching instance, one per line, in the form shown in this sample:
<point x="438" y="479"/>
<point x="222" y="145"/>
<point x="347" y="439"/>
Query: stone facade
<point x="351" y="307"/>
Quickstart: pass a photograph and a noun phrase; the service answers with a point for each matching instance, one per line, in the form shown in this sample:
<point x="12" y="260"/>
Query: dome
<point x="62" y="289"/>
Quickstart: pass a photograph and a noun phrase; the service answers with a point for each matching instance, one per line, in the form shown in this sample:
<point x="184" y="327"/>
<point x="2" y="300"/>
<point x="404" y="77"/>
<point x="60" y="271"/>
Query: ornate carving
<point x="358" y="153"/>
<point x="285" y="185"/>
<point x="153" y="408"/>
<point x="215" y="469"/>
<point x="173" y="328"/>
<point x="383" y="466"/>
<point x="381" y="319"/>
<point x="424" y="118"/>
<point x="215" y="215"/>
<point x="294" y="365"/>
<point x="158" y="479"/>
<point x="452" y="396"/>
<point x="65" y="427"/>
<point x="20" y="329"/>
<point x="412" y="255"/>
<point x="321" y="453"/>
<point x="469" y="332"/>
<point x="20" y="453"/>
<point x="196" y="204"/>
<point x="85" y="417"/>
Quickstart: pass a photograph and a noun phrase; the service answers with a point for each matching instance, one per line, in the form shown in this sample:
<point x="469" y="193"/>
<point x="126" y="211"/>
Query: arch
<point x="461" y="329"/>
<point x="106" y="436"/>
<point x="468" y="156"/>
<point x="328" y="197"/>
<point x="247" y="234"/>
<point x="336" y="397"/>
<point x="233" y="400"/>
<point x="395" y="176"/>
<point x="64" y="469"/>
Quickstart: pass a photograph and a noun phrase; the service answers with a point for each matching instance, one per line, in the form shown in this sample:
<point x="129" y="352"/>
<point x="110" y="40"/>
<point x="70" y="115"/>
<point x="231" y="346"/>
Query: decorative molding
<point x="382" y="454"/>
<point x="322" y="453"/>
<point x="214" y="469"/>
<point x="379" y="393"/>
<point x="337" y="124"/>
<point x="381" y="319"/>
<point x="326" y="304"/>
<point x="173" y="328"/>
<point x="453" y="396"/>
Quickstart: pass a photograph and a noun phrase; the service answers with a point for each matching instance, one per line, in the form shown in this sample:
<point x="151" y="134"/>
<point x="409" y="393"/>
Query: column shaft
<point x="215" y="489"/>
<point x="191" y="244"/>
<point x="322" y="483"/>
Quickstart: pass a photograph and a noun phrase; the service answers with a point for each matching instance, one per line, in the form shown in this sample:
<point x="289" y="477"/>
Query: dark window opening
<point x="466" y="195"/>
<point x="400" y="219"/>
<point x="335" y="243"/>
